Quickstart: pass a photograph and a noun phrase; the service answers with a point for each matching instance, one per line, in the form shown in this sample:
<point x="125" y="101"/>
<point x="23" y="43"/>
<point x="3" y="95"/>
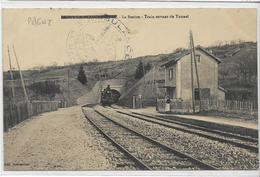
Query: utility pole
<point x="192" y="89"/>
<point x="115" y="53"/>
<point x="68" y="89"/>
<point x="196" y="68"/>
<point x="153" y="78"/>
<point x="23" y="85"/>
<point x="21" y="76"/>
<point x="141" y="96"/>
<point x="144" y="73"/>
<point x="100" y="84"/>
<point x="11" y="75"/>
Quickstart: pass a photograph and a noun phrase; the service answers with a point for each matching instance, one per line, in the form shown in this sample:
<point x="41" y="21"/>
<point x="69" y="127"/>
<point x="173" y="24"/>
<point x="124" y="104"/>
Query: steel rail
<point x="140" y="164"/>
<point x="241" y="145"/>
<point x="249" y="139"/>
<point x="170" y="149"/>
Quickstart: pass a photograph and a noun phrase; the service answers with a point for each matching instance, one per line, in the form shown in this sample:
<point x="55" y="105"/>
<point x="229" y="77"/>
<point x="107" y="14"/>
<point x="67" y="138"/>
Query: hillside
<point x="95" y="71"/>
<point x="237" y="73"/>
<point x="238" y="70"/>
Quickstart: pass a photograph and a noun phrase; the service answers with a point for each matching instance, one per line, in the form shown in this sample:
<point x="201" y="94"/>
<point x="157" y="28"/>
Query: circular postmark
<point x="99" y="39"/>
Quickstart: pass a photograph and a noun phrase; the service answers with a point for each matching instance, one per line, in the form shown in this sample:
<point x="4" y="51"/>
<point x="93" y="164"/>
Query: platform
<point x="233" y="125"/>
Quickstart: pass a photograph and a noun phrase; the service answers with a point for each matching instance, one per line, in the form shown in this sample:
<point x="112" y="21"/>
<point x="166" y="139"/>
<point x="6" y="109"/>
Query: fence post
<point x="133" y="101"/>
<point x="251" y="108"/>
<point x="16" y="111"/>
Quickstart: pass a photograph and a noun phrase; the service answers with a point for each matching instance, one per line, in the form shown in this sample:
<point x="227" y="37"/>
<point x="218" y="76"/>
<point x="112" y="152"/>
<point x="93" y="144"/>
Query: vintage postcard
<point x="133" y="89"/>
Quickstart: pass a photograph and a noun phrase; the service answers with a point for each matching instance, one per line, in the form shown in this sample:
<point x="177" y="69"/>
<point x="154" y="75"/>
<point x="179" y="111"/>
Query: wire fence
<point x="229" y="106"/>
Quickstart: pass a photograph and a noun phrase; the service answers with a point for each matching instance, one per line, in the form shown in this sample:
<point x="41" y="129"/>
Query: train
<point x="109" y="96"/>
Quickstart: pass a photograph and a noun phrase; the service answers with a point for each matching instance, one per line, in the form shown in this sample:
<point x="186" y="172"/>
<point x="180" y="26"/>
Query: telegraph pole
<point x="144" y="73"/>
<point x="142" y="96"/>
<point x="21" y="76"/>
<point x="68" y="87"/>
<point x="100" y="84"/>
<point x="153" y="78"/>
<point x="192" y="89"/>
<point x="23" y="85"/>
<point x="11" y="75"/>
<point x="196" y="69"/>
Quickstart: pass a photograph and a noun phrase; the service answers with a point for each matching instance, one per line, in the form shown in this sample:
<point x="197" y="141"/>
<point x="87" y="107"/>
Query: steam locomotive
<point x="109" y="96"/>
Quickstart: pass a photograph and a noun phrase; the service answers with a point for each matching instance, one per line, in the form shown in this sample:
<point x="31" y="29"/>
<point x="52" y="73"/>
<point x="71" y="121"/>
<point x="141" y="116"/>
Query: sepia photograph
<point x="130" y="89"/>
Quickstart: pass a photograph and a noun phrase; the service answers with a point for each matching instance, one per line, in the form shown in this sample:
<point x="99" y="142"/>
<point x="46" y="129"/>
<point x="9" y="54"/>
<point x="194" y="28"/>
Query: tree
<point x="147" y="67"/>
<point x="139" y="73"/>
<point x="82" y="76"/>
<point x="179" y="50"/>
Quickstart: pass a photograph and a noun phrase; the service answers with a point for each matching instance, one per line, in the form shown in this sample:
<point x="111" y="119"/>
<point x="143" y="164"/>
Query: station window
<point x="170" y="74"/>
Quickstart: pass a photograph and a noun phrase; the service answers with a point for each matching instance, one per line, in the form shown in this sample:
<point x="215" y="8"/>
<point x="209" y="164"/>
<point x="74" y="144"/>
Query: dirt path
<point x="59" y="140"/>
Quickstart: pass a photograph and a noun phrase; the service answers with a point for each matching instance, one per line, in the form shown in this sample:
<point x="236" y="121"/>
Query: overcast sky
<point x="53" y="40"/>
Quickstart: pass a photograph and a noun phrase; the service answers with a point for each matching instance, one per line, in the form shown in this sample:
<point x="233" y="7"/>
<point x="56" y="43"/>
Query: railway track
<point x="236" y="140"/>
<point x="147" y="153"/>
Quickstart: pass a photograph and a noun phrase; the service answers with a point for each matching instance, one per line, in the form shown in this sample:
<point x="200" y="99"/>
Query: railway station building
<point x="178" y="82"/>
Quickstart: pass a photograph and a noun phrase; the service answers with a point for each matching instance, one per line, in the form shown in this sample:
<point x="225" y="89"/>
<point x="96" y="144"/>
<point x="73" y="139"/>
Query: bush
<point x="46" y="88"/>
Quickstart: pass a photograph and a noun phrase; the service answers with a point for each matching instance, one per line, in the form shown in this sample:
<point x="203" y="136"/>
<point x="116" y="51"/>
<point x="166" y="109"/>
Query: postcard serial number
<point x="39" y="21"/>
